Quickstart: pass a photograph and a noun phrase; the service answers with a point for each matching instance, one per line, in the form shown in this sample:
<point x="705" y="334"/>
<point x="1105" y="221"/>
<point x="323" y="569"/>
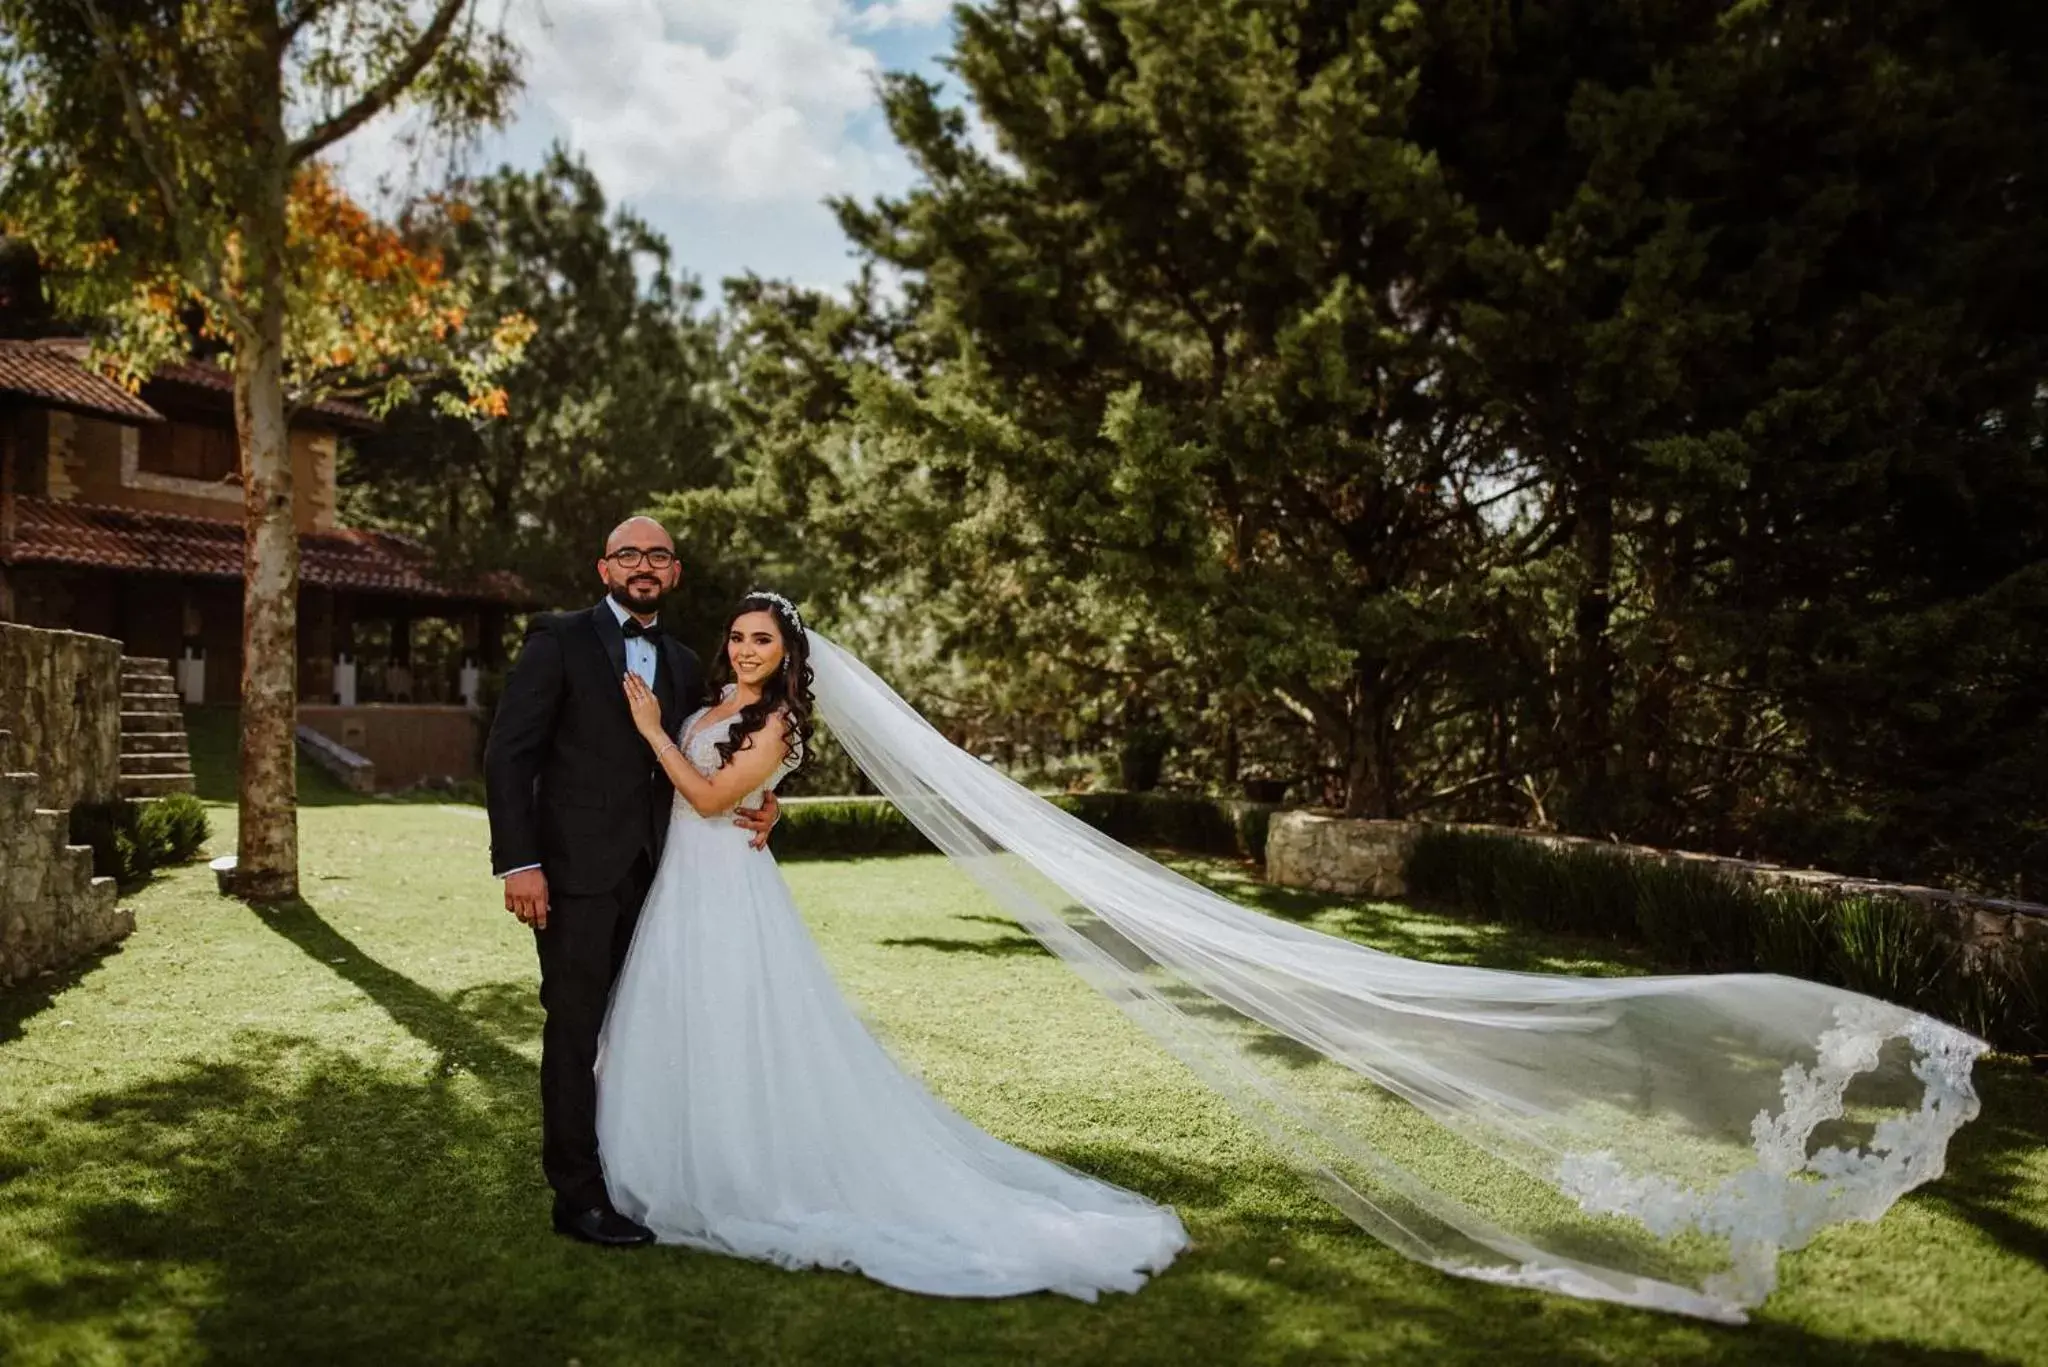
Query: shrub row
<point x="824" y="827"/>
<point x="1690" y="916"/>
<point x="131" y="840"/>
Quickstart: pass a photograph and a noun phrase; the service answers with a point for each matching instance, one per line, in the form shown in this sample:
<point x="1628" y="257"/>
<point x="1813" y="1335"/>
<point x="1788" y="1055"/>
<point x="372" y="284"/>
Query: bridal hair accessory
<point x="781" y="602"/>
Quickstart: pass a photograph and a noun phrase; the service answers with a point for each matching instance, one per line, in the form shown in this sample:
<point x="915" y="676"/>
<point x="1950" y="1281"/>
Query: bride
<point x="741" y="1104"/>
<point x="1653" y="1141"/>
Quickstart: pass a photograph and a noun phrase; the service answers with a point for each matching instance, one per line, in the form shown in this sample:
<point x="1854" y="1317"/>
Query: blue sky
<point x="725" y="123"/>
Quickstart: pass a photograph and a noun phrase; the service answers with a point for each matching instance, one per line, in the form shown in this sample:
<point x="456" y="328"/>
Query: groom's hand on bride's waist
<point x="760" y="820"/>
<point x="526" y="896"/>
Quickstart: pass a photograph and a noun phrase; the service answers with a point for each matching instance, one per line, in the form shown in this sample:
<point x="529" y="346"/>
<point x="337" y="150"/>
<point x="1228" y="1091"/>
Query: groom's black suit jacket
<point x="570" y="784"/>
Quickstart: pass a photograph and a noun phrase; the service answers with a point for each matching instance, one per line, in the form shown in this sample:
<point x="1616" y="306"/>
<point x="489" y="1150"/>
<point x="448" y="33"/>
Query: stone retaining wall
<point x="1369" y="858"/>
<point x="60" y="699"/>
<point x="60" y="745"/>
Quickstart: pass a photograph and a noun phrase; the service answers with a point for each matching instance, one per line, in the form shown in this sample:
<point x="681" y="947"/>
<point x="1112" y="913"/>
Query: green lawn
<point x="311" y="1135"/>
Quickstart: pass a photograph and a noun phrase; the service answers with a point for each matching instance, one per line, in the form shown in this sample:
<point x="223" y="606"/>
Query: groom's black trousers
<point x="581" y="952"/>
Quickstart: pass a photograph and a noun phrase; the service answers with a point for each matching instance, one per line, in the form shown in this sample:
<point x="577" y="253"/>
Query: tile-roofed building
<point x="89" y="536"/>
<point x="49" y="374"/>
<point x="121" y="514"/>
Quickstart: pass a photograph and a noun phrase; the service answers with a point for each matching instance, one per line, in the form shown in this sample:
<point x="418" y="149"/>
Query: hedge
<point x="1691" y="917"/>
<point x="131" y="840"/>
<point x="825" y="827"/>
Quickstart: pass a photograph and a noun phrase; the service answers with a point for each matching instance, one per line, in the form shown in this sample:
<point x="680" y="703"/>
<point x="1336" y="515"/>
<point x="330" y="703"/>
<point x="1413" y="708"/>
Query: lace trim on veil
<point x="1779" y="1204"/>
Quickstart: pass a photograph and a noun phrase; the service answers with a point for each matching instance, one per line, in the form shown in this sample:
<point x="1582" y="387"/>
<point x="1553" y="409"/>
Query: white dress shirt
<point x="639" y="650"/>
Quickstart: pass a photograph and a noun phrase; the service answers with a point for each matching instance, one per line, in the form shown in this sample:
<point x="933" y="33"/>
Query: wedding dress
<point x="744" y="1108"/>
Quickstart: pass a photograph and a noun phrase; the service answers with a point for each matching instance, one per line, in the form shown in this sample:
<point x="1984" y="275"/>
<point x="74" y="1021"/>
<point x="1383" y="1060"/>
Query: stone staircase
<point x="156" y="757"/>
<point x="52" y="908"/>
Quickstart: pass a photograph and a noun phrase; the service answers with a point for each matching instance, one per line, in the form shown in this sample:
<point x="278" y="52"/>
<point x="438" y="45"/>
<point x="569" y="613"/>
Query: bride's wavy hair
<point x="787" y="690"/>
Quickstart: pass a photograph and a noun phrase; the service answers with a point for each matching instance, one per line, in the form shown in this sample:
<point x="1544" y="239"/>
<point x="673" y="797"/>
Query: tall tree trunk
<point x="1369" y="769"/>
<point x="1590" y="808"/>
<point x="267" y="861"/>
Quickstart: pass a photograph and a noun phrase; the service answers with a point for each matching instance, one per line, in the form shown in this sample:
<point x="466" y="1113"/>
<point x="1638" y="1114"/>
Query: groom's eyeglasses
<point x="632" y="558"/>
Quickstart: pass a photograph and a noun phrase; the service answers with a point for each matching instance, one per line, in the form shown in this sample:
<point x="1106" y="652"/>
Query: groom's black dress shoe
<point x="600" y="1225"/>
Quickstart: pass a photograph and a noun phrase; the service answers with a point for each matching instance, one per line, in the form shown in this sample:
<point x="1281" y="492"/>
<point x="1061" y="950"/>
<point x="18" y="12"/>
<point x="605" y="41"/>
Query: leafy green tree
<point x="614" y="399"/>
<point x="1744" y="289"/>
<point x="163" y="155"/>
<point x="1167" y="349"/>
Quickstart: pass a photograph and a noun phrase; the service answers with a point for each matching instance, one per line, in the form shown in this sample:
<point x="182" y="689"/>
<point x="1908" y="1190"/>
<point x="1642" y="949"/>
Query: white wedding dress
<point x="744" y="1108"/>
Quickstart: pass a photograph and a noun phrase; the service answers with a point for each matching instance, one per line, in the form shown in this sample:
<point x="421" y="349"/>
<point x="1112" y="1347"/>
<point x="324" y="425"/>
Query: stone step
<point x="160" y="762"/>
<point x="132" y="695"/>
<point x="159" y="676"/>
<point x="145" y="664"/>
<point x="152" y="742"/>
<point x="159" y="704"/>
<point x="101" y="894"/>
<point x="47" y="829"/>
<point x="152" y="723"/>
<point x="74" y="863"/>
<point x="154" y="785"/>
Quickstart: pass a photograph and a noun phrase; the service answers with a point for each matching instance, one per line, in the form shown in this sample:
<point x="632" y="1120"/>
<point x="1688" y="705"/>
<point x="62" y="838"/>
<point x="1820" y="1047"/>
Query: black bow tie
<point x="633" y="626"/>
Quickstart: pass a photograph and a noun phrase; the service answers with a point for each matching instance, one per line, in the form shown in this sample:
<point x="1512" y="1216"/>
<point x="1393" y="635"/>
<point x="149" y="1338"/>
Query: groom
<point x="579" y="812"/>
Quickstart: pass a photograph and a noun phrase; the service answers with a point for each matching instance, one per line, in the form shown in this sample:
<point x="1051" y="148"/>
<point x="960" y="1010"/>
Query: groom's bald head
<point x="643" y="532"/>
<point x="638" y="586"/>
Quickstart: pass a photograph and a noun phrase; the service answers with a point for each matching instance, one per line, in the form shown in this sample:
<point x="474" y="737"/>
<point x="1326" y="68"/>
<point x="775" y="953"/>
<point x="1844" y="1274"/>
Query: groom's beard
<point x="642" y="599"/>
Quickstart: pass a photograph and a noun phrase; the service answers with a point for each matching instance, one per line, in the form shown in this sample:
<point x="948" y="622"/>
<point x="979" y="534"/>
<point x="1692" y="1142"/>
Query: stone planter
<point x="1337" y="854"/>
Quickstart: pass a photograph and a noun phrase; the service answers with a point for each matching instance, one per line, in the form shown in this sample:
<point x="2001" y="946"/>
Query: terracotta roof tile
<point x="55" y="376"/>
<point x="216" y="380"/>
<point x="87" y="535"/>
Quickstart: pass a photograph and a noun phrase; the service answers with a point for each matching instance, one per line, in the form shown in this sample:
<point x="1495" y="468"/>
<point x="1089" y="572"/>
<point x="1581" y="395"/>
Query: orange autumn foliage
<point x="323" y="223"/>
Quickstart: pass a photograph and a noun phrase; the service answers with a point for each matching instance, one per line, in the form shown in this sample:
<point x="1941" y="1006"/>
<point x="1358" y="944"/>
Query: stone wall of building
<point x="98" y="460"/>
<point x="1368" y="859"/>
<point x="60" y="739"/>
<point x="60" y="700"/>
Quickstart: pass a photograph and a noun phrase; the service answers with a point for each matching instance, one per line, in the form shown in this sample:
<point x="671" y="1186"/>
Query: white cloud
<point x="708" y="99"/>
<point x="887" y="14"/>
<point x="702" y="112"/>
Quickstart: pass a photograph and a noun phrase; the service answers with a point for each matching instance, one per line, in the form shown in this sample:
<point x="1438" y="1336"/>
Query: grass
<point x="311" y="1135"/>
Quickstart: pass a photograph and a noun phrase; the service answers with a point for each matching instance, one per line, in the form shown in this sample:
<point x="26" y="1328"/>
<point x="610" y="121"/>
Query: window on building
<point x="190" y="451"/>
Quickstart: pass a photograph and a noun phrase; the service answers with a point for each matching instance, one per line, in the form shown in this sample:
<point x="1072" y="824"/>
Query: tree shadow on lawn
<point x="1431" y="934"/>
<point x="1426" y="935"/>
<point x="1984" y="1183"/>
<point x="288" y="1199"/>
<point x="23" y="1001"/>
<point x="293" y="1202"/>
<point x="1001" y="946"/>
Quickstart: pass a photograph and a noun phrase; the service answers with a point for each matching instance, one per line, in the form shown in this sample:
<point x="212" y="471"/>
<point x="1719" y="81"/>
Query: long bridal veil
<point x="1656" y="1141"/>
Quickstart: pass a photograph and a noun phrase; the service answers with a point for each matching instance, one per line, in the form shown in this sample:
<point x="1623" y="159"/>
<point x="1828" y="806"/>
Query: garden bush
<point x="824" y="827"/>
<point x="821" y="827"/>
<point x="174" y="827"/>
<point x="131" y="840"/>
<point x="1690" y="916"/>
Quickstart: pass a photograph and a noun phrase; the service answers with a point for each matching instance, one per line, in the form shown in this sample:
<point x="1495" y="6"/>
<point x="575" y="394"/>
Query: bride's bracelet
<point x="666" y="746"/>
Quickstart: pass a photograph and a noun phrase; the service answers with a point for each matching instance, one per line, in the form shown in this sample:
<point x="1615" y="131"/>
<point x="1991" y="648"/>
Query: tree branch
<point x="169" y="200"/>
<point x="380" y="96"/>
